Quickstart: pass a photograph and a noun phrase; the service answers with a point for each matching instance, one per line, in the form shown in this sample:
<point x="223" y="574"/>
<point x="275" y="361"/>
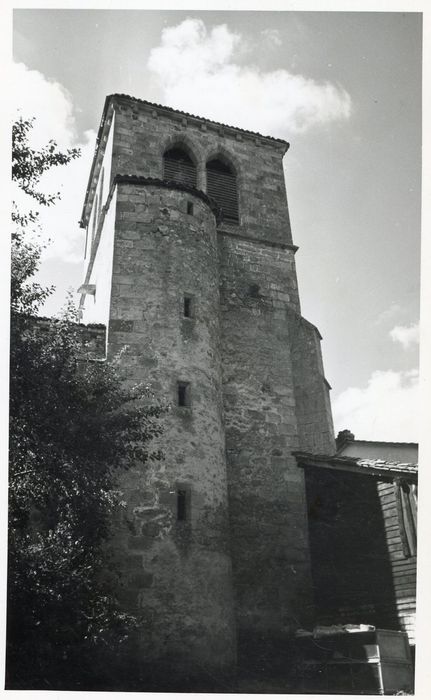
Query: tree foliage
<point x="74" y="425"/>
<point x="28" y="166"/>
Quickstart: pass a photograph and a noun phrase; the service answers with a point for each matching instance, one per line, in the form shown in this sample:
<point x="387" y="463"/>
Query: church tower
<point x="190" y="264"/>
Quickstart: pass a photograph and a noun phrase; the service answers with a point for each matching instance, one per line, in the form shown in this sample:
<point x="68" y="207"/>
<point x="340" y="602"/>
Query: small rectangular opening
<point x="188" y="307"/>
<point x="183" y="389"/>
<point x="190" y="208"/>
<point x="181" y="504"/>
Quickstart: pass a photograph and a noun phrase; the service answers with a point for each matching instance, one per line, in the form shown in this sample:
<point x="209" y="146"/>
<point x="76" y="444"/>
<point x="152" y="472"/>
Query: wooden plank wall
<point x="403" y="568"/>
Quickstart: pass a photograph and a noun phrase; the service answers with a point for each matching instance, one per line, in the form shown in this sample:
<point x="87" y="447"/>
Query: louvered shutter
<point x="178" y="166"/>
<point x="221" y="186"/>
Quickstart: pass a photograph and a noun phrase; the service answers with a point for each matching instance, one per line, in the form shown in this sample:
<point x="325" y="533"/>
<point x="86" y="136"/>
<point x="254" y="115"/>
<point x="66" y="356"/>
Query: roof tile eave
<point x="365" y="464"/>
<point x="195" y="116"/>
<point x="130" y="179"/>
<point x="118" y="95"/>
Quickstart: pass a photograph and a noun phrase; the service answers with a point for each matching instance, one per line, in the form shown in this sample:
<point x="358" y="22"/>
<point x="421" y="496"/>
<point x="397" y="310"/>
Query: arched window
<point x="178" y="166"/>
<point x="221" y="186"/>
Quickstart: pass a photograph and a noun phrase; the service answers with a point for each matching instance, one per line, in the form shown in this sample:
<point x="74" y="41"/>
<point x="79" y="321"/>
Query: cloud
<point x="273" y="35"/>
<point x="49" y="101"/>
<point x="196" y="71"/>
<point x="388" y="314"/>
<point x="386" y="409"/>
<point x="406" y="335"/>
<point x="51" y="104"/>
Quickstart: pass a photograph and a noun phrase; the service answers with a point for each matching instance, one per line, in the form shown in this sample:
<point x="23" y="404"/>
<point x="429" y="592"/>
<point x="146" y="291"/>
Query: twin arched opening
<point x="220" y="178"/>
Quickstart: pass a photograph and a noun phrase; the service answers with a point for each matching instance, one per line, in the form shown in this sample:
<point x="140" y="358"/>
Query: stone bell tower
<point x="190" y="264"/>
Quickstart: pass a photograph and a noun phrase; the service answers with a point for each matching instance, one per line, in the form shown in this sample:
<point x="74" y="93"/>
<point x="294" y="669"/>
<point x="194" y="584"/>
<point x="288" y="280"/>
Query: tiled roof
<point x="122" y="96"/>
<point x="193" y="116"/>
<point x="366" y="466"/>
<point x="173" y="185"/>
<point x="379" y="442"/>
<point x="387" y="466"/>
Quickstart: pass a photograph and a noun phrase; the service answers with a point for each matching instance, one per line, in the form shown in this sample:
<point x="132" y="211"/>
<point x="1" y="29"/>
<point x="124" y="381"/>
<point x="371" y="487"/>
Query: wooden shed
<point x="362" y="531"/>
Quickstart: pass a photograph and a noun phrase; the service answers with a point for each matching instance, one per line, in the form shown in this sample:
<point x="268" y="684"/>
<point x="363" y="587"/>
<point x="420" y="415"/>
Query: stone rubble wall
<point x="142" y="136"/>
<point x="239" y="569"/>
<point x="178" y="573"/>
<point x="266" y="489"/>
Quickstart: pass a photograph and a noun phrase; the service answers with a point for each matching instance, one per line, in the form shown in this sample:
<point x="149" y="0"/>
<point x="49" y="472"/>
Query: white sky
<point x="342" y="88"/>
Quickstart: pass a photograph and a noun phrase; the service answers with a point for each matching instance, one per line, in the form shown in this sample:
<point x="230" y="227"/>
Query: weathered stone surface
<point x="189" y="562"/>
<point x="237" y="567"/>
<point x="313" y="407"/>
<point x="139" y="145"/>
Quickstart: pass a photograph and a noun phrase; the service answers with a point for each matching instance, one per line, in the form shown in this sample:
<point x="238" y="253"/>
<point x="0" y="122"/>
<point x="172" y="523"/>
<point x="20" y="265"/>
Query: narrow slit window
<point x="188" y="307"/>
<point x="183" y="390"/>
<point x="181" y="504"/>
<point x="190" y="208"/>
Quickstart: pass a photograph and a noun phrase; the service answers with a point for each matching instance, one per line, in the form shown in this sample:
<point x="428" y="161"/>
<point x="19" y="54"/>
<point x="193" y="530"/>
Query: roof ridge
<point x="383" y="442"/>
<point x="195" y="116"/>
<point x="110" y="99"/>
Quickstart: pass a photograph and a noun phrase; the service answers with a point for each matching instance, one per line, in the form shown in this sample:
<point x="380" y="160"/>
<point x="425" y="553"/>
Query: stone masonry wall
<point x="266" y="489"/>
<point x="143" y="135"/>
<point x="91" y="336"/>
<point x="240" y="568"/>
<point x="313" y="407"/>
<point x="178" y="572"/>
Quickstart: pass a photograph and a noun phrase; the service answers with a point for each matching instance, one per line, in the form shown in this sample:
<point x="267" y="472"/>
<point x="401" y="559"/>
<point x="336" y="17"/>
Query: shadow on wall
<point x="351" y="566"/>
